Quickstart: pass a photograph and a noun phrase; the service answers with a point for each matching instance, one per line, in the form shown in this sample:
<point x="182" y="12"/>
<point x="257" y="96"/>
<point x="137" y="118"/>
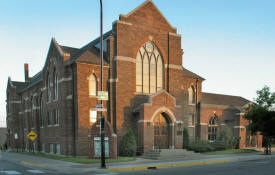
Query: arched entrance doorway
<point x="161" y="132"/>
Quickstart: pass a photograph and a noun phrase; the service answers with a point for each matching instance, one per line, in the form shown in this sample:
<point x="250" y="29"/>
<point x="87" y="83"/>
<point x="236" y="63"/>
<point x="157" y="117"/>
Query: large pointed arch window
<point x="92" y="85"/>
<point x="49" y="87"/>
<point x="149" y="69"/>
<point x="191" y="95"/>
<point x="55" y="85"/>
<point x="42" y="119"/>
<point x="212" y="128"/>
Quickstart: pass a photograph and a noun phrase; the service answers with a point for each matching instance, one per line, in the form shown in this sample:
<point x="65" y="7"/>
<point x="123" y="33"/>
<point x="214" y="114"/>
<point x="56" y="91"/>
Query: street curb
<point x="167" y="165"/>
<point x="32" y="164"/>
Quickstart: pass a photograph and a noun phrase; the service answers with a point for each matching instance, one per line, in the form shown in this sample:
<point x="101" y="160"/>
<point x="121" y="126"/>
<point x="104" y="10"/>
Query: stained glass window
<point x="149" y="69"/>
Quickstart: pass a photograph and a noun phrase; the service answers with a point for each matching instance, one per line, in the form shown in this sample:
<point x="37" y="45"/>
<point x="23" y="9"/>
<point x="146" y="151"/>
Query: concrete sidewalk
<point x="140" y="164"/>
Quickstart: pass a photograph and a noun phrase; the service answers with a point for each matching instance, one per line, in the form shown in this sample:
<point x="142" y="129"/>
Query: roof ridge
<point x="223" y="94"/>
<point x="193" y="73"/>
<point x="143" y="4"/>
<point x="69" y="47"/>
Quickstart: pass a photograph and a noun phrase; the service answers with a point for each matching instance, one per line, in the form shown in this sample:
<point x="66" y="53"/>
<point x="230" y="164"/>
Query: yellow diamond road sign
<point x="32" y="135"/>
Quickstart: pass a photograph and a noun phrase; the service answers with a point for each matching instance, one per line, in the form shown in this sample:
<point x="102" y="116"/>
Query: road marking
<point x="10" y="172"/>
<point x="32" y="164"/>
<point x="35" y="171"/>
<point x="262" y="162"/>
<point x="108" y="174"/>
<point x="168" y="165"/>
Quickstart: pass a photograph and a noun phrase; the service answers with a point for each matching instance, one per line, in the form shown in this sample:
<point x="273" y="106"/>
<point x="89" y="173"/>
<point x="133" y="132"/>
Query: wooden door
<point x="161" y="132"/>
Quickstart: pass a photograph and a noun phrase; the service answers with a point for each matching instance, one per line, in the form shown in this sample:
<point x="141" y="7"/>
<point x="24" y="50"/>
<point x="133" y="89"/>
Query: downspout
<point x="197" y="109"/>
<point x="73" y="111"/>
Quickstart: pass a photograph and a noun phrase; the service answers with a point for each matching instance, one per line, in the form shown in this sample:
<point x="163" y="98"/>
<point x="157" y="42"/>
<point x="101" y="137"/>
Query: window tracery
<point x="149" y="69"/>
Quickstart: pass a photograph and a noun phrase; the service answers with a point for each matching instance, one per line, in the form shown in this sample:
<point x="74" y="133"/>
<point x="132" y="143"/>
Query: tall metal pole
<point x="102" y="121"/>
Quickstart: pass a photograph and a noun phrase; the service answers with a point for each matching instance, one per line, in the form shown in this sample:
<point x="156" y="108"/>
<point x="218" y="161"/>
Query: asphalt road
<point x="12" y="167"/>
<point x="252" y="167"/>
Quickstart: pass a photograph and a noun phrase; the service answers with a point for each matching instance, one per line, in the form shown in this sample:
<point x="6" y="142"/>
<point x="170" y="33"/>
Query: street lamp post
<point x="102" y="121"/>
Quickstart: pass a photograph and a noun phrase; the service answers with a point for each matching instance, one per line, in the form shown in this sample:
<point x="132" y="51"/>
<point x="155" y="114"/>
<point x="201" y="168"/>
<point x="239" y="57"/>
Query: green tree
<point x="185" y="138"/>
<point x="261" y="118"/>
<point x="129" y="146"/>
<point x="227" y="138"/>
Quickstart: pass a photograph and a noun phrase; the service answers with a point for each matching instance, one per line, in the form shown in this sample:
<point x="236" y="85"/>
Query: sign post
<point x="32" y="136"/>
<point x="16" y="140"/>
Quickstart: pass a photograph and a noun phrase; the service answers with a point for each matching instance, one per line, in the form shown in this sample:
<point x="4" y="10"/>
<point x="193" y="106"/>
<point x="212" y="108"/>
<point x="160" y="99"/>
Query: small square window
<point x="51" y="148"/>
<point x="43" y="148"/>
<point x="58" y="149"/>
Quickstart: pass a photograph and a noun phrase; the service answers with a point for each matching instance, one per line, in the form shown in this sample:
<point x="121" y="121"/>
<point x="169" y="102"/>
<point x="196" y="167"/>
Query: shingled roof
<point x="89" y="53"/>
<point x="19" y="85"/>
<point x="72" y="51"/>
<point x="221" y="99"/>
<point x="189" y="74"/>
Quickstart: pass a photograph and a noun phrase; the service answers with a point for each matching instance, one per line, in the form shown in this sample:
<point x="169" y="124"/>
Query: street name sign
<point x="99" y="109"/>
<point x="102" y="95"/>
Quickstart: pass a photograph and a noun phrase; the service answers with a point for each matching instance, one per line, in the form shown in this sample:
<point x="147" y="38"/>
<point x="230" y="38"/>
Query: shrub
<point x="4" y="146"/>
<point x="198" y="145"/>
<point x="226" y="136"/>
<point x="218" y="145"/>
<point x="129" y="145"/>
<point x="185" y="138"/>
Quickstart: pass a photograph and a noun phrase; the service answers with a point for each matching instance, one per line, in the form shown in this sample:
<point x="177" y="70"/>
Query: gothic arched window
<point x="55" y="85"/>
<point x="49" y="87"/>
<point x="42" y="119"/>
<point x="149" y="69"/>
<point x="191" y="95"/>
<point x="32" y="112"/>
<point x="212" y="128"/>
<point x="92" y="85"/>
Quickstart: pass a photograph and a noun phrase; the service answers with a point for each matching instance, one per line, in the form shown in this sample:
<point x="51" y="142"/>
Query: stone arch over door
<point x="164" y="131"/>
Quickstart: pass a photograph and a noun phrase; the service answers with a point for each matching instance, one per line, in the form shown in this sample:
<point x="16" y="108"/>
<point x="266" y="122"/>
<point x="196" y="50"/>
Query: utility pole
<point x="102" y="121"/>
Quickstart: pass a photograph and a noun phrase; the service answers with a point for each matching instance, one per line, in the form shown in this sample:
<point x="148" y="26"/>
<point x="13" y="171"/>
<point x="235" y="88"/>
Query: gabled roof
<point x="144" y="4"/>
<point x="70" y="50"/>
<point x="90" y="56"/>
<point x="34" y="80"/>
<point x="89" y="53"/>
<point x="221" y="99"/>
<point x="19" y="85"/>
<point x="189" y="74"/>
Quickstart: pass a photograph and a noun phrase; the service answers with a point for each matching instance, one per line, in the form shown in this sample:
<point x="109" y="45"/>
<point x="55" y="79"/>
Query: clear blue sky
<point x="231" y="43"/>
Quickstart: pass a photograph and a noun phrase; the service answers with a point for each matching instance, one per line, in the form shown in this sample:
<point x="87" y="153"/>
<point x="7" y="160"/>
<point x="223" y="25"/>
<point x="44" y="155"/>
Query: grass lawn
<point x="231" y="151"/>
<point x="79" y="160"/>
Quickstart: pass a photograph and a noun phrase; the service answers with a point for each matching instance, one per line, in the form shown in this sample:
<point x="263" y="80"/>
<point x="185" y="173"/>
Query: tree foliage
<point x="198" y="145"/>
<point x="261" y="117"/>
<point x="265" y="98"/>
<point x="129" y="146"/>
<point x="185" y="138"/>
<point x="227" y="138"/>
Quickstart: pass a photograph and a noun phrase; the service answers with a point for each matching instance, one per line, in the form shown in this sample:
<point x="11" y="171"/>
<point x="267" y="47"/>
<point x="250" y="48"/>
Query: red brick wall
<point x="85" y="103"/>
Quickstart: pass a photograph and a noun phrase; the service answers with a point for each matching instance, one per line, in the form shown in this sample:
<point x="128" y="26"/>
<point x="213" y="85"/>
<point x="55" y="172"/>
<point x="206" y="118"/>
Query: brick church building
<point x="149" y="91"/>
